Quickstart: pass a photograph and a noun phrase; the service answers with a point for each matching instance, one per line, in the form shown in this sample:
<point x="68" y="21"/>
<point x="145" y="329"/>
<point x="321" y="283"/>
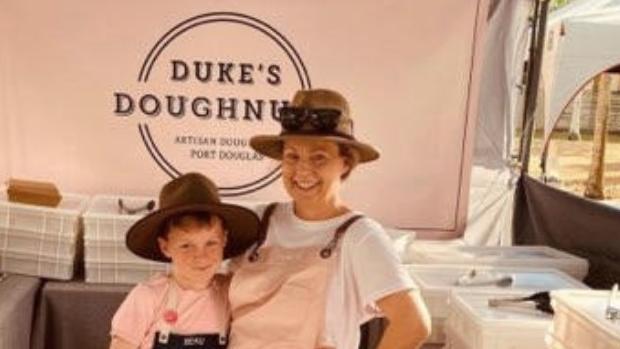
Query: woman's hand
<point x="409" y="323"/>
<point x="119" y="343"/>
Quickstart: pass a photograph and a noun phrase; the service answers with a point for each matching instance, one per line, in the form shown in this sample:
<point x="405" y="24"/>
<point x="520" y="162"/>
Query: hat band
<point x="333" y="133"/>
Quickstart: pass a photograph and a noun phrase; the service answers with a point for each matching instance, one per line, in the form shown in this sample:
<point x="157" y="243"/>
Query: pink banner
<point x="117" y="97"/>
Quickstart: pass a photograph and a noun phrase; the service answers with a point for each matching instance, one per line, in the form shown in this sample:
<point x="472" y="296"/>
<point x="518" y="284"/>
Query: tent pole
<point x="537" y="45"/>
<point x="527" y="70"/>
<point x="535" y="59"/>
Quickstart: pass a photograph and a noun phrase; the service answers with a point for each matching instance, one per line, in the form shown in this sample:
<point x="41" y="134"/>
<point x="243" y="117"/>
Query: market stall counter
<point x="17" y="299"/>
<point x="75" y="315"/>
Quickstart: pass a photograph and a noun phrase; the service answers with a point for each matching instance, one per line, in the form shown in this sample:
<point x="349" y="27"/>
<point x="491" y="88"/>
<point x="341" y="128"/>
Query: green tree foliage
<point x="555" y="4"/>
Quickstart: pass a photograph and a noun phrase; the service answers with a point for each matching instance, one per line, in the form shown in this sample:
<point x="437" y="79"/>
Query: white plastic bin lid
<point x="513" y="256"/>
<point x="443" y="277"/>
<point x="436" y="281"/>
<point x="73" y="204"/>
<point x="475" y="305"/>
<point x="590" y="305"/>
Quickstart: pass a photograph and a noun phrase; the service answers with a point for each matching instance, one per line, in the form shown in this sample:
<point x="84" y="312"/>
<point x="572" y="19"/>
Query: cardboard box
<point x="33" y="192"/>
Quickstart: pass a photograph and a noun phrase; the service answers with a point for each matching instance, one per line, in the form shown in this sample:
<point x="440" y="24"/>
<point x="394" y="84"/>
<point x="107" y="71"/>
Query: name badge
<point x="189" y="341"/>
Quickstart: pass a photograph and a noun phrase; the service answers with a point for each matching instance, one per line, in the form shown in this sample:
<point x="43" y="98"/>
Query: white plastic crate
<point x="580" y="321"/>
<point x="106" y="257"/>
<point x="122" y="273"/>
<point x="52" y="267"/>
<point x="437" y="281"/>
<point x="472" y="324"/>
<point x="38" y="240"/>
<point x="506" y="256"/>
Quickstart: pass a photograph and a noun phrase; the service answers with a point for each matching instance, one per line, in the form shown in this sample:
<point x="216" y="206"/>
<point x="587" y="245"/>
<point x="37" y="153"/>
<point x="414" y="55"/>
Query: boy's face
<point x="196" y="249"/>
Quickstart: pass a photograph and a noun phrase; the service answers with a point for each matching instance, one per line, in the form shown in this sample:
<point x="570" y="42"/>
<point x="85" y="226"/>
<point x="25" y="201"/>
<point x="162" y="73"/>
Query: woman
<point x="320" y="269"/>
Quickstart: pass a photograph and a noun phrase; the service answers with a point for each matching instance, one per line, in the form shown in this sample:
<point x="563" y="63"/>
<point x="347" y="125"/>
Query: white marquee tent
<point x="582" y="42"/>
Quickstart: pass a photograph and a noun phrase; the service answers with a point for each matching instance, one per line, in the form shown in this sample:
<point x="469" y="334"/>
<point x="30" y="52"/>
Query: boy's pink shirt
<point x="137" y="319"/>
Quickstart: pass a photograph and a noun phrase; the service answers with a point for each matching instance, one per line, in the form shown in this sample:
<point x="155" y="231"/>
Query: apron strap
<point x="227" y="317"/>
<point x="326" y="252"/>
<point x="262" y="230"/>
<point x="171" y="304"/>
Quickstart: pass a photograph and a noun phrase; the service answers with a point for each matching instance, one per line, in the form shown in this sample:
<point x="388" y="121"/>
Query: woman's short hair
<point x="351" y="157"/>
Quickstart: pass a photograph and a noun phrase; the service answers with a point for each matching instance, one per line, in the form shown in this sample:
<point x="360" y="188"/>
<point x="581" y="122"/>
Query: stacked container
<point x="106" y="257"/>
<point x="472" y="324"/>
<point x="581" y="320"/>
<point x="41" y="241"/>
<point x="436" y="282"/>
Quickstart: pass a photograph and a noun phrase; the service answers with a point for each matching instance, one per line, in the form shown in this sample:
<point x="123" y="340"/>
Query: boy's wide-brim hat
<point x="192" y="192"/>
<point x="271" y="145"/>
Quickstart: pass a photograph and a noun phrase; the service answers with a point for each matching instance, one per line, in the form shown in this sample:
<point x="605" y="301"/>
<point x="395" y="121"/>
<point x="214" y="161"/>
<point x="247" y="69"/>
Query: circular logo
<point x="205" y="88"/>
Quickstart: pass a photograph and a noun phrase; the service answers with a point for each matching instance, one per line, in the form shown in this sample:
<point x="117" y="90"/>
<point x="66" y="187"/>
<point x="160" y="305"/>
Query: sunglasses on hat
<point x="319" y="119"/>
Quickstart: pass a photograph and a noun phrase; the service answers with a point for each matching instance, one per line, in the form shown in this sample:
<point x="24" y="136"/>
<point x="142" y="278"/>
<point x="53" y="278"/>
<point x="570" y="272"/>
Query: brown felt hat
<point x="192" y="192"/>
<point x="271" y="145"/>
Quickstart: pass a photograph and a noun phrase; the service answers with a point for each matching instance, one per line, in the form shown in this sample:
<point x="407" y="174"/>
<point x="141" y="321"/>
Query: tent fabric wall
<point x="492" y="180"/>
<point x="500" y="86"/>
<point x="491" y="198"/>
<point x="549" y="216"/>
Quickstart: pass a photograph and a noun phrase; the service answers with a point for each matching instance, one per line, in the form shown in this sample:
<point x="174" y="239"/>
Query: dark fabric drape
<point x="75" y="315"/>
<point x="17" y="302"/>
<point x="548" y="216"/>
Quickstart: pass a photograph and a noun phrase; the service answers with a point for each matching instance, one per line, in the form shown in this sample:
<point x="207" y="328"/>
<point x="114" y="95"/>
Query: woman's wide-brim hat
<point x="272" y="145"/>
<point x="192" y="192"/>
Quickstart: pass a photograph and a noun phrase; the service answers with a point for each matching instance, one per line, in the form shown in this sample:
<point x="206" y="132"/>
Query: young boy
<point x="194" y="232"/>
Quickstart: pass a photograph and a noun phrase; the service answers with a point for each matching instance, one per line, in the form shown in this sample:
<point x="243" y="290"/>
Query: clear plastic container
<point x="437" y="281"/>
<point x="580" y="321"/>
<point x="506" y="256"/>
<point x="472" y="324"/>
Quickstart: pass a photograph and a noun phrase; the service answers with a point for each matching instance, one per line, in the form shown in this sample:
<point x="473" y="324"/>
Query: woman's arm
<point x="409" y="323"/>
<point x="119" y="343"/>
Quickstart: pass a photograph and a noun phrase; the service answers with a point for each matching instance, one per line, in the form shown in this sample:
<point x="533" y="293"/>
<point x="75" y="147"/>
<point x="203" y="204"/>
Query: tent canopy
<point x="582" y="42"/>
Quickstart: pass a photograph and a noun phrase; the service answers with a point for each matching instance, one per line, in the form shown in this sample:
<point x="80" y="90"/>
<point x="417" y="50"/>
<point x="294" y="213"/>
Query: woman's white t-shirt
<point x="368" y="268"/>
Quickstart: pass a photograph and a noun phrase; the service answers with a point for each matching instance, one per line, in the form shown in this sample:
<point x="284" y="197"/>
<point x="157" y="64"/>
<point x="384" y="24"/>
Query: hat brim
<point x="271" y="145"/>
<point x="240" y="222"/>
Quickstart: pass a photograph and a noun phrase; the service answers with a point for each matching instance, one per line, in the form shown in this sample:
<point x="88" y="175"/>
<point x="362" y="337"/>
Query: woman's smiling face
<point x="312" y="170"/>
